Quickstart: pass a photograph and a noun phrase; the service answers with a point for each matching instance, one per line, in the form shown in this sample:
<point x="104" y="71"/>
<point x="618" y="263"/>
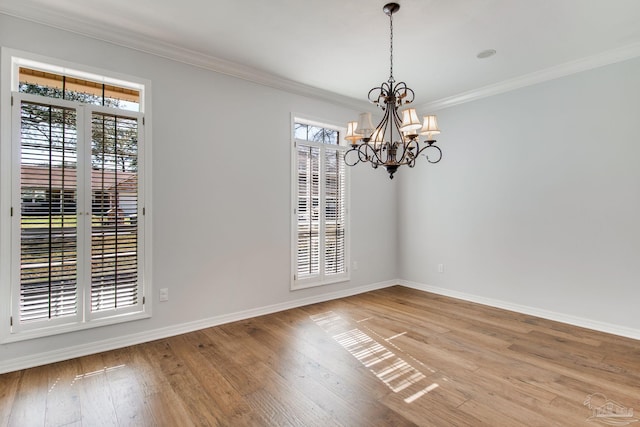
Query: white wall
<point x="536" y="203"/>
<point x="221" y="193"/>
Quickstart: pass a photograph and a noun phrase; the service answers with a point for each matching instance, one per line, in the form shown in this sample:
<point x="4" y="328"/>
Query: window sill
<point x="71" y="327"/>
<point x="311" y="283"/>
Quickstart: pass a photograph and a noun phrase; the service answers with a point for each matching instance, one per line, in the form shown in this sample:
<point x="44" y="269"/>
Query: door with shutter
<point x="114" y="227"/>
<point x="47" y="224"/>
<point x="77" y="237"/>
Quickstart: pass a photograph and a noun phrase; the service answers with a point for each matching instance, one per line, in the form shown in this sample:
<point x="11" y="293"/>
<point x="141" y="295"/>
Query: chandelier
<point x="394" y="142"/>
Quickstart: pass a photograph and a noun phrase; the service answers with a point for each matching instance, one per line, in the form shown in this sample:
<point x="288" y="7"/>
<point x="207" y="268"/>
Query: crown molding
<point x="28" y="11"/>
<point x="131" y="40"/>
<point x="584" y="64"/>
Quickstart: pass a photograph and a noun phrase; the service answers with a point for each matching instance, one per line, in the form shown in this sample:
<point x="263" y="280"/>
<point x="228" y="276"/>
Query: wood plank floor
<point x="393" y="357"/>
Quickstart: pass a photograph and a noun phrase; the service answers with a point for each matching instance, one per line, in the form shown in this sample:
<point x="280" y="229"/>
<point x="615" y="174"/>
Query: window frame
<point x="322" y="278"/>
<point x="10" y="200"/>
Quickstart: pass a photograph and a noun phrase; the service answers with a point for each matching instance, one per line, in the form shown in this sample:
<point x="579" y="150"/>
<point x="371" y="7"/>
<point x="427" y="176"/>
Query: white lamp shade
<point x="365" y="127"/>
<point x="430" y="126"/>
<point x="410" y="120"/>
<point x="377" y="136"/>
<point x="352" y="135"/>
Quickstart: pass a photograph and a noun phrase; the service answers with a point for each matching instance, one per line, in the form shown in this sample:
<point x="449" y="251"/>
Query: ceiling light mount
<point x="390" y="8"/>
<point x="487" y="53"/>
<point x="394" y="141"/>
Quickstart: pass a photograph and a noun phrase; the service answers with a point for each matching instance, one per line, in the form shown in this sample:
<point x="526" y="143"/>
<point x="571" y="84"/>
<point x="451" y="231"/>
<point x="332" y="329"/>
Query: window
<point x="78" y="200"/>
<point x="320" y="217"/>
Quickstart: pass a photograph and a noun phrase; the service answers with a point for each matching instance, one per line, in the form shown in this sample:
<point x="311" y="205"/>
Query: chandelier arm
<point x="409" y="150"/>
<point x="382" y="124"/>
<point x="370" y="153"/>
<point x="403" y="94"/>
<point x="353" y="149"/>
<point x="431" y="145"/>
<point x="397" y="121"/>
<point x="379" y="95"/>
<point x="365" y="153"/>
<point x="375" y="157"/>
<point x="388" y="145"/>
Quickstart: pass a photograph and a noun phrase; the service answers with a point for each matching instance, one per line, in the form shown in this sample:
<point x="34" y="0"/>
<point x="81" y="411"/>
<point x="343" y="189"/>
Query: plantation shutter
<point x="114" y="225"/>
<point x="48" y="218"/>
<point x="77" y="227"/>
<point x="77" y="191"/>
<point x="335" y="211"/>
<point x="320" y="207"/>
<point x="308" y="212"/>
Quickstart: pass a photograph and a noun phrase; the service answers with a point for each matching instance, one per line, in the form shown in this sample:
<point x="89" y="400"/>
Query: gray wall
<point x="535" y="204"/>
<point x="537" y="200"/>
<point x="221" y="191"/>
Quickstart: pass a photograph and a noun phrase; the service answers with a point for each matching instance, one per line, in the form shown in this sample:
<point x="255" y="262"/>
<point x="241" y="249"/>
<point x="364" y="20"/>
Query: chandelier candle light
<point x="393" y="142"/>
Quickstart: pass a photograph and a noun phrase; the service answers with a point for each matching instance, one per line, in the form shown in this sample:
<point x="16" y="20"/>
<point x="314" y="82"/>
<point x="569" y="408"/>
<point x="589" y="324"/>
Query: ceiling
<point x="342" y="46"/>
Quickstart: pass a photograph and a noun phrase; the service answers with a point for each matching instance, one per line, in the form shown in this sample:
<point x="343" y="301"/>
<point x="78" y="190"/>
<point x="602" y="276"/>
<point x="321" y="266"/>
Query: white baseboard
<point x="183" y="328"/>
<point x="533" y="311"/>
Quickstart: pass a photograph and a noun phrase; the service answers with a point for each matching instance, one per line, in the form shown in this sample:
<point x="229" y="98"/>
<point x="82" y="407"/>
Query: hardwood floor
<point x="393" y="357"/>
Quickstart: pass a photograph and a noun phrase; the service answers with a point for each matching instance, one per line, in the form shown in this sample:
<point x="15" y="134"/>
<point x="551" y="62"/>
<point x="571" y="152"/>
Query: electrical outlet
<point x="355" y="265"/>
<point x="164" y="294"/>
<point x="440" y="268"/>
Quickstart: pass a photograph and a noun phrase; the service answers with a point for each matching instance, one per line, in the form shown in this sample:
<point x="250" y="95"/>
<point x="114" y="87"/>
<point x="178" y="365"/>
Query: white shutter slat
<point x="308" y="220"/>
<point x="48" y="229"/>
<point x="335" y="212"/>
<point x="114" y="189"/>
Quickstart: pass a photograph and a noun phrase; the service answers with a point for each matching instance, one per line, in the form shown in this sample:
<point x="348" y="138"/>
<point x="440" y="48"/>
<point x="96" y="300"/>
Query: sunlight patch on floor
<point x="421" y="393"/>
<point x="98" y="372"/>
<point x="385" y="364"/>
<point x="390" y="369"/>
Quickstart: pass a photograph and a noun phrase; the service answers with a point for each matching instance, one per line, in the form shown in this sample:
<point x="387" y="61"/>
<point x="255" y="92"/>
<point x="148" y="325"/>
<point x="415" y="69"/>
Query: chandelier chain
<point x="391" y="47"/>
